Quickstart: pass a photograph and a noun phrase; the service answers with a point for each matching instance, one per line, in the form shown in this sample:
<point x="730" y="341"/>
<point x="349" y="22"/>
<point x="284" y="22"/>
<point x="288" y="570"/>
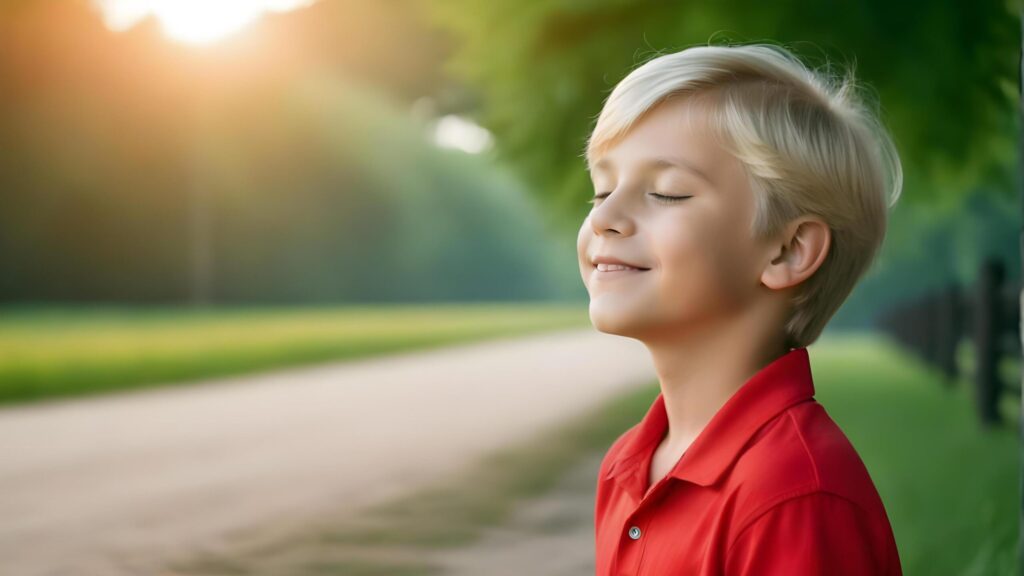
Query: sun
<point x="196" y="22"/>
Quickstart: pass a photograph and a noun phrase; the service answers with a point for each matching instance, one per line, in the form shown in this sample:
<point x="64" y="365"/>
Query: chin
<point x="618" y="322"/>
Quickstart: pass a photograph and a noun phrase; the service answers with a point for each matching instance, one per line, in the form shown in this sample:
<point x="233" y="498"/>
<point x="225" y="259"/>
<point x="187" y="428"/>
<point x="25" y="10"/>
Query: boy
<point x="739" y="196"/>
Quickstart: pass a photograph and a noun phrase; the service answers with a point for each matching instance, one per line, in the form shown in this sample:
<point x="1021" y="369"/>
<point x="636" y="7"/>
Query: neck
<point x="701" y="369"/>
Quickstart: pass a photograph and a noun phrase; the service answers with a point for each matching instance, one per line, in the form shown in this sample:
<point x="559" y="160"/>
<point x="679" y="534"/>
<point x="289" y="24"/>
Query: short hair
<point x="811" y="143"/>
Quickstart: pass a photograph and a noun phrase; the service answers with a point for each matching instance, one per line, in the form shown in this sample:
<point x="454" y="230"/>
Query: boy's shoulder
<point x="801" y="452"/>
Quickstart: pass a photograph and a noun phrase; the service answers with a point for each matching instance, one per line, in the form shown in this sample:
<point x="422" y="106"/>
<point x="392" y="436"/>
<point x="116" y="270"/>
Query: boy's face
<point x="702" y="264"/>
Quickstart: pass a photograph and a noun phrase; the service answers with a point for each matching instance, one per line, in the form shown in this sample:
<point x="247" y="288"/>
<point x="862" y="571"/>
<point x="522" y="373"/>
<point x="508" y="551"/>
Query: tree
<point x="944" y="73"/>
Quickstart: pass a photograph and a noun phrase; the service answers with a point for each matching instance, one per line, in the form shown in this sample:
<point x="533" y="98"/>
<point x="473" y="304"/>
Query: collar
<point x="782" y="383"/>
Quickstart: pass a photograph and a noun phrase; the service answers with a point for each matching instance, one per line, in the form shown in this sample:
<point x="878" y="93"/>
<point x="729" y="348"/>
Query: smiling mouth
<point x="615" y="269"/>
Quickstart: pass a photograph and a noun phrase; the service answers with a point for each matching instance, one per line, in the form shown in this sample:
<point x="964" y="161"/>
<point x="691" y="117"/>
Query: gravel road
<point x="122" y="484"/>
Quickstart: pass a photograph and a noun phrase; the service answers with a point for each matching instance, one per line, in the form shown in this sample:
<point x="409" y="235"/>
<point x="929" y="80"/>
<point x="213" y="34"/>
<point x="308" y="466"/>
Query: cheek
<point x="582" y="248"/>
<point x="583" y="236"/>
<point x="702" y="265"/>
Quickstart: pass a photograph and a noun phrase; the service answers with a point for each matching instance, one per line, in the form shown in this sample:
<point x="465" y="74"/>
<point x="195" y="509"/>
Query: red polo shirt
<point x="771" y="486"/>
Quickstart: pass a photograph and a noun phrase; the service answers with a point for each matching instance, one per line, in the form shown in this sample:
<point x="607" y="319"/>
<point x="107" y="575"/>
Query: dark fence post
<point x="987" y="320"/>
<point x="930" y="325"/>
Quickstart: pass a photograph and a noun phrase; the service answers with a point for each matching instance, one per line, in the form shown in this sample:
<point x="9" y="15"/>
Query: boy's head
<point x="782" y="210"/>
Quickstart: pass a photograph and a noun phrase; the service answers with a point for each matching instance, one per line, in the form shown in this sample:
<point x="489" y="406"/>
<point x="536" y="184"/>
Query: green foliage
<point x="928" y="248"/>
<point x="341" y="195"/>
<point x="317" y="187"/>
<point x="944" y="74"/>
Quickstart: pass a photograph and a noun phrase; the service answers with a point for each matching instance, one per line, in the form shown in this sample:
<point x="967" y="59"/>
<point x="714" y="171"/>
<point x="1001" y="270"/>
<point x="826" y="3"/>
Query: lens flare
<point x="196" y="22"/>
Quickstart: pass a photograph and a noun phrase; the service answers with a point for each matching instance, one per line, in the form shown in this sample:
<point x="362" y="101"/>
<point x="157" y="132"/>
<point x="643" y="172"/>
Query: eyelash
<point x="669" y="199"/>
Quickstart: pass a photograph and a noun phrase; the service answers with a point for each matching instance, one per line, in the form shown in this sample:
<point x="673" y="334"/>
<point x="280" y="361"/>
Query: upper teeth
<point x="609" y="267"/>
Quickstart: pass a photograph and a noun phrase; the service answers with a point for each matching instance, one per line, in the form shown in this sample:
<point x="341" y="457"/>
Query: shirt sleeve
<point x="814" y="534"/>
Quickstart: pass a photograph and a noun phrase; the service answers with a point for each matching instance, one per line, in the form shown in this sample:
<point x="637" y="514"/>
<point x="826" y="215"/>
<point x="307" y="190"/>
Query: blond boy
<point x="739" y="197"/>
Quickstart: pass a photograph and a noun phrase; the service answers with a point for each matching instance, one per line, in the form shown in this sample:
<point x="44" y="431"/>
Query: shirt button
<point x="634" y="533"/>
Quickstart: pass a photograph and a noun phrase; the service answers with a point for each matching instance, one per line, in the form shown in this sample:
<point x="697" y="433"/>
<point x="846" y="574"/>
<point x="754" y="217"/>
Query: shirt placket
<point x="637" y="525"/>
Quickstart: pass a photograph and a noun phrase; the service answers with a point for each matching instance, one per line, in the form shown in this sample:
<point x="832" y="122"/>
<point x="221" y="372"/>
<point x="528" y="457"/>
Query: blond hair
<point x="810" y="142"/>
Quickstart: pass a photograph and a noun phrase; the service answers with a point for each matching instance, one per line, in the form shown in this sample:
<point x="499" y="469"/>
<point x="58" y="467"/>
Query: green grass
<point x="950" y="487"/>
<point x="50" y="352"/>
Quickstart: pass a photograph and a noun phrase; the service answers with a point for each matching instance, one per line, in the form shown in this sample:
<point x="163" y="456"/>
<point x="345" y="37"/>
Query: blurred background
<point x="351" y="225"/>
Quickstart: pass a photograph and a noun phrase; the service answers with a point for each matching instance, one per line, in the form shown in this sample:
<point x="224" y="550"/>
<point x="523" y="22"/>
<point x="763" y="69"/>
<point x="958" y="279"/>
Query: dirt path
<point x="123" y="484"/>
<point x="551" y="535"/>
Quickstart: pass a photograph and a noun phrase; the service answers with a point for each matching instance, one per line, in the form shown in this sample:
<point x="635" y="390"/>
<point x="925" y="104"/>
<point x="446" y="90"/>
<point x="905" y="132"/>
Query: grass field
<point x="950" y="488"/>
<point x="55" y="352"/>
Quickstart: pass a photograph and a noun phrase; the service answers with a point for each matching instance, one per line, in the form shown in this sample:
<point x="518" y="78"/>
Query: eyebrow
<point x="659" y="163"/>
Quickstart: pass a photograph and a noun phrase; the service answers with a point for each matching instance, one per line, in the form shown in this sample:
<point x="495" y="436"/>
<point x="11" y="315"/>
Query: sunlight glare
<point x="194" y="22"/>
<point x="453" y="131"/>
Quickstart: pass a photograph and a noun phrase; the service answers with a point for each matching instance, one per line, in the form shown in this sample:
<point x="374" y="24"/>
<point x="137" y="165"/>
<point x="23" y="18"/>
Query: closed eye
<point x="670" y="198"/>
<point x="662" y="197"/>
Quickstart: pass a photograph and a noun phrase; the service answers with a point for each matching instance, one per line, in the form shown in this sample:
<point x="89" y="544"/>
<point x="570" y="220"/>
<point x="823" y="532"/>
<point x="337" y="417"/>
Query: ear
<point x="804" y="246"/>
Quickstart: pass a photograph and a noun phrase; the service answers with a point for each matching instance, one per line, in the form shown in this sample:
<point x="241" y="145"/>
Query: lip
<point x="609" y="274"/>
<point x="612" y="260"/>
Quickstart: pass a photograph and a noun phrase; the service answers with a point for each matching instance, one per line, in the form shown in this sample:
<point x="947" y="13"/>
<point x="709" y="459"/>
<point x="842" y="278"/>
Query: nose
<point x="612" y="216"/>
